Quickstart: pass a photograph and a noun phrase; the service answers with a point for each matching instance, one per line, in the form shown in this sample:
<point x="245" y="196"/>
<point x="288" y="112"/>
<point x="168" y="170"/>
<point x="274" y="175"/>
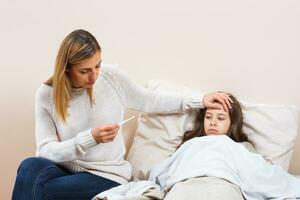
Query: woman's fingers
<point x="109" y="138"/>
<point x="105" y="133"/>
<point x="227" y="99"/>
<point x="110" y="135"/>
<point x="222" y="102"/>
<point x="109" y="127"/>
<point x="217" y="100"/>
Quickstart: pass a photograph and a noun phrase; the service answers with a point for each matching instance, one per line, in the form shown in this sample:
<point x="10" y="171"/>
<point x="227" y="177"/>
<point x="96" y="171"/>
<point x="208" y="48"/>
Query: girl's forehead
<point x="216" y="111"/>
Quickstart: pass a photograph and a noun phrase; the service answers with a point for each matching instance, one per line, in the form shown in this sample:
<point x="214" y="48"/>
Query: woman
<point x="79" y="146"/>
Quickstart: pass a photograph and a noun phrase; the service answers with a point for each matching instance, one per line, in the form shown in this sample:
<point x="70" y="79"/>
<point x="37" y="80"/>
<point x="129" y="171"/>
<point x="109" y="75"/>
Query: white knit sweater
<point x="72" y="145"/>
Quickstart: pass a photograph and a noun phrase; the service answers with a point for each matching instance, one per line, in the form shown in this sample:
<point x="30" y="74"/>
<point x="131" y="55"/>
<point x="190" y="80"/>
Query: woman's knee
<point x="35" y="163"/>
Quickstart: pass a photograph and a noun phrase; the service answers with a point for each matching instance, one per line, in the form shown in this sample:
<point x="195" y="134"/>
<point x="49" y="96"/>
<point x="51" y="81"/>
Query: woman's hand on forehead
<point x="217" y="100"/>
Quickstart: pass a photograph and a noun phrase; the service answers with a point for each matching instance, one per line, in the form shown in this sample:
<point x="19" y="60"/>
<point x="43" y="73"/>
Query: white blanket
<point x="141" y="190"/>
<point x="218" y="156"/>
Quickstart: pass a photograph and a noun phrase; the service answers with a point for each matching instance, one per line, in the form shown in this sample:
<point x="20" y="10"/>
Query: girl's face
<point x="85" y="73"/>
<point x="216" y="122"/>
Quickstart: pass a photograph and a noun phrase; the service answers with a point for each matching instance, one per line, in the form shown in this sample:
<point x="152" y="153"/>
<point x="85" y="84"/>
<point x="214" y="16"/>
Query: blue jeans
<point x="40" y="179"/>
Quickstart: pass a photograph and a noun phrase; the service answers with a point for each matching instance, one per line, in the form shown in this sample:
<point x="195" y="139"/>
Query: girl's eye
<point x="221" y="119"/>
<point x="207" y="117"/>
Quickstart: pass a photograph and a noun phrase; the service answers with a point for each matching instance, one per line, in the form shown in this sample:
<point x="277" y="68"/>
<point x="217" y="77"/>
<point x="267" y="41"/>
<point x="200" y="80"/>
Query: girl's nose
<point x="213" y="122"/>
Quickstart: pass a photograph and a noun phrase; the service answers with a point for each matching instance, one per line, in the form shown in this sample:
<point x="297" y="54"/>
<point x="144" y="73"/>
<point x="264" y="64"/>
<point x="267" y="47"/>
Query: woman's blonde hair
<point x="78" y="46"/>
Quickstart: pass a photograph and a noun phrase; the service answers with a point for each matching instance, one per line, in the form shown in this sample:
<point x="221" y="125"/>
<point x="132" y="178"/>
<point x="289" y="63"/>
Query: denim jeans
<point x="40" y="179"/>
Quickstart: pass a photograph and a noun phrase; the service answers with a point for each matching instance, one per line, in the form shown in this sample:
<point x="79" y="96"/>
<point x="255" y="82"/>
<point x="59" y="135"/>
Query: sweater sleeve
<point x="48" y="143"/>
<point x="139" y="98"/>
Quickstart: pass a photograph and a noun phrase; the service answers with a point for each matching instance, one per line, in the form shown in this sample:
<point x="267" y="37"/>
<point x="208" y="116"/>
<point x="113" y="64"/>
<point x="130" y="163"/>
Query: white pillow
<point x="271" y="128"/>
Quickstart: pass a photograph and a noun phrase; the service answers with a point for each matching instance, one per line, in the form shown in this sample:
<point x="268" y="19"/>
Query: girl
<point x="220" y="122"/>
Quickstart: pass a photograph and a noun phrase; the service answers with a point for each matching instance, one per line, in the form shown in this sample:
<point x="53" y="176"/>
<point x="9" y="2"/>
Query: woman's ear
<point x="68" y="67"/>
<point x="67" y="70"/>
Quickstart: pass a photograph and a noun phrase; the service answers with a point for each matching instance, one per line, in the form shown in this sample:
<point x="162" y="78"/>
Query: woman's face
<point x="216" y="122"/>
<point x="85" y="73"/>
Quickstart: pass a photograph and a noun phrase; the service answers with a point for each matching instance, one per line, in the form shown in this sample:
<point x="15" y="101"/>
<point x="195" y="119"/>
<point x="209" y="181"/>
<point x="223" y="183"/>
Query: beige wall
<point x="248" y="47"/>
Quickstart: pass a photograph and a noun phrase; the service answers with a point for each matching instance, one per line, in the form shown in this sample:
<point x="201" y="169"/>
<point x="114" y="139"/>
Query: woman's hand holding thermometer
<point x="108" y="132"/>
